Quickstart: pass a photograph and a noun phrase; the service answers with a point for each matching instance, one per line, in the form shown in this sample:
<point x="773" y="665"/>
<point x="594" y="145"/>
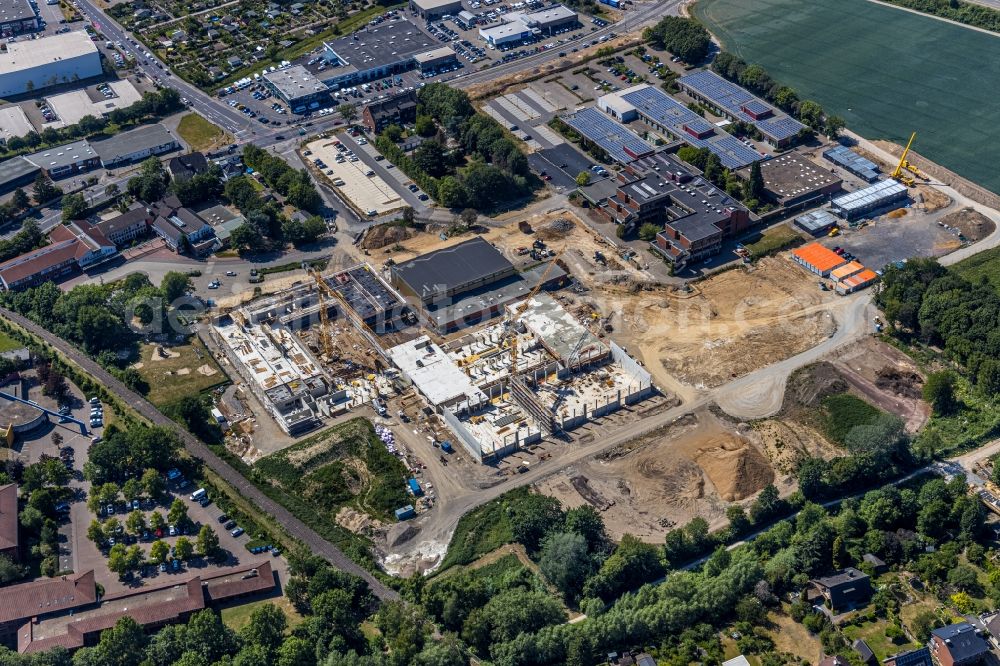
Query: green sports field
<point x="886" y="71"/>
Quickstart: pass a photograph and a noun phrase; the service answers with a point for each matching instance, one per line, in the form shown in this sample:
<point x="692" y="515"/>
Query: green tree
<point x="74" y="207"/>
<point x="157" y="521"/>
<point x="184" y="549"/>
<point x="178" y="512"/>
<point x="208" y="637"/>
<point x="118" y="559"/>
<point x="132" y="489"/>
<point x="939" y="391"/>
<point x="296" y="651"/>
<point x="44" y="190"/>
<point x="583" y="178"/>
<point x="425" y="126"/>
<point x="175" y="285"/>
<point x="20" y="199"/>
<point x="565" y="562"/>
<point x="135" y="523"/>
<point x="532" y="517"/>
<point x="349" y="112"/>
<point x="648" y="231"/>
<point x="122" y="645"/>
<point x="208" y="541"/>
<point x="158" y="552"/>
<point x="266" y="628"/>
<point x="755" y="184"/>
<point x="153" y="483"/>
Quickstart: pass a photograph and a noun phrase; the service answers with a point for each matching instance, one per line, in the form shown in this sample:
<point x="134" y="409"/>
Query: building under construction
<point x="505" y="386"/>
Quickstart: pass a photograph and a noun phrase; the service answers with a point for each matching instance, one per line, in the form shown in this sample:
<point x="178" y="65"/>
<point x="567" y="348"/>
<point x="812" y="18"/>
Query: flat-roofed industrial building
<point x="792" y="181"/>
<point x="869" y="200"/>
<point x="373" y="52"/>
<point x="298" y="87"/>
<point x="42" y="63"/>
<point x="431" y="10"/>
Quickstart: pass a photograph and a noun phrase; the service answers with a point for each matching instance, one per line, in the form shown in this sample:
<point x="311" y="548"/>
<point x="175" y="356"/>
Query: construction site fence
<point x="465" y="437"/>
<point x="630" y="366"/>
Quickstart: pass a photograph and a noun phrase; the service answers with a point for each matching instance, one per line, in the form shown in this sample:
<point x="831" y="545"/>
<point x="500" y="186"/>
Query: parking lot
<point x="354" y="179"/>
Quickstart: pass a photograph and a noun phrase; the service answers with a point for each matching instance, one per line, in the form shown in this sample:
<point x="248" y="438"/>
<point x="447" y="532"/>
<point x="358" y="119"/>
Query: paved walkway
<point x="295" y="527"/>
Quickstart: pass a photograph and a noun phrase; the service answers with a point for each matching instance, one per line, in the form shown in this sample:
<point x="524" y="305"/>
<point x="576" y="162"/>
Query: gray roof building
<point x="957" y="645"/>
<point x="63" y="157"/>
<point x="295" y="84"/>
<point x="136" y="144"/>
<point x="17" y="172"/>
<point x="372" y="52"/>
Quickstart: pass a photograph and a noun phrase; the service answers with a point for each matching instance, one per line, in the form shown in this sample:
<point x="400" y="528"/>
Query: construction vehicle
<point x="834" y="232"/>
<point x="898" y="174"/>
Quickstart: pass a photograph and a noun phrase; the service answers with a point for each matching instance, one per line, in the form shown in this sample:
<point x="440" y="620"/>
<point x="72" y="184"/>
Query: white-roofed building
<point x="41" y="63"/>
<point x="434" y="9"/>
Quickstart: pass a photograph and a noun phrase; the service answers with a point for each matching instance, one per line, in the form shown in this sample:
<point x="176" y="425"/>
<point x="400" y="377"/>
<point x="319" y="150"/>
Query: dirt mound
<point x="971" y="223"/>
<point x="555" y="229"/>
<point x="807" y="386"/>
<point x="737" y="468"/>
<point x="901" y="382"/>
<point x="582" y="486"/>
<point x="384" y="235"/>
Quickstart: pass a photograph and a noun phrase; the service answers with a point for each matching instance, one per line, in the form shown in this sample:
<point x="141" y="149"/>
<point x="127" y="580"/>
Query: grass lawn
<point x="8" y="343"/>
<point x="844" y="412"/>
<point x="189" y="371"/>
<point x="944" y="98"/>
<point x="985" y="264"/>
<point x="791" y="637"/>
<point x="238" y="616"/>
<point x="773" y="240"/>
<point x="873" y="633"/>
<point x="201" y="134"/>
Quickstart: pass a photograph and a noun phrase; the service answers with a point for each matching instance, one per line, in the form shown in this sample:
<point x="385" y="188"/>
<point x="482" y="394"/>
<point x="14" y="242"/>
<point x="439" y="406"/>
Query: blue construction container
<point x="447" y="447"/>
<point x="405" y="513"/>
<point x="415" y="488"/>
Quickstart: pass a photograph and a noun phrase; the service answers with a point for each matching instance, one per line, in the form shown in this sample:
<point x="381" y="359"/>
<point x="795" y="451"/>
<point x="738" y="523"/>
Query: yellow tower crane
<point x="324" y="331"/>
<point x="519" y="310"/>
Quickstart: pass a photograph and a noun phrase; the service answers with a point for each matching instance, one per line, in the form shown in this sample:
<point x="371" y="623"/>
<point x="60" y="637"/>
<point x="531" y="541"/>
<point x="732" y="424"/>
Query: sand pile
<point x="737" y="468"/>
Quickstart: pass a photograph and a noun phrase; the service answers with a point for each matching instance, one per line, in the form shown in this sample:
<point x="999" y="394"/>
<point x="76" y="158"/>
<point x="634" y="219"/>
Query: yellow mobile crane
<point x="903" y="164"/>
<point x="511" y="339"/>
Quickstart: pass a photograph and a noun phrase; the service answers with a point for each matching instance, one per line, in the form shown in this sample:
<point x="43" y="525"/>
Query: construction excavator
<point x="898" y="174"/>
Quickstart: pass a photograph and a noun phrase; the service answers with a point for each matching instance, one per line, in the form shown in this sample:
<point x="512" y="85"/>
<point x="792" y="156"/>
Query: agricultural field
<point x="344" y="466"/>
<point x="868" y="64"/>
<point x="174" y="372"/>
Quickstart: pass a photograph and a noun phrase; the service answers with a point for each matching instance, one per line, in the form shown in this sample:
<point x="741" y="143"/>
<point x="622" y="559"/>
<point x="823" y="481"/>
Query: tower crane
<point x="324" y="330"/>
<point x="323" y="288"/>
<point x="511" y="332"/>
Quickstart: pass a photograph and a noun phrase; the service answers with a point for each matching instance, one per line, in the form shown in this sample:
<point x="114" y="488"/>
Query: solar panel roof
<point x="732" y="99"/>
<point x="621" y="143"/>
<point x="664" y="110"/>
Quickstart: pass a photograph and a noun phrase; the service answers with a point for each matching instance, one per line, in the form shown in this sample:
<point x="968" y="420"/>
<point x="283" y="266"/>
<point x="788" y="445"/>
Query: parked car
<point x="237" y="532"/>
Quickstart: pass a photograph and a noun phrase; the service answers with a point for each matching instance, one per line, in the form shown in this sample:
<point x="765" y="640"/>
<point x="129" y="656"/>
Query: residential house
<point x="845" y="590"/>
<point x="183" y="167"/>
<point x="865" y="652"/>
<point x="878" y="565"/>
<point x="957" y="645"/>
<point x="918" y="657"/>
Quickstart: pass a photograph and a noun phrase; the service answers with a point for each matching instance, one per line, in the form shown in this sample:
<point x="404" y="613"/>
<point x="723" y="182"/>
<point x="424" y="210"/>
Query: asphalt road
<point x="295" y="527"/>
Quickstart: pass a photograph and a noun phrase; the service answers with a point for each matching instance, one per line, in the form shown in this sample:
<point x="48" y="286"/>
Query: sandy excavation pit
<point x="694" y="468"/>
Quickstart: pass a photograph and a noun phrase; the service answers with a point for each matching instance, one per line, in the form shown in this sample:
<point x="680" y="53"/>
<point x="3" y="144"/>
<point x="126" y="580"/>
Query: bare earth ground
<point x="861" y="364"/>
<point x="974" y="225"/>
<point x="733" y="323"/>
<point x="696" y="467"/>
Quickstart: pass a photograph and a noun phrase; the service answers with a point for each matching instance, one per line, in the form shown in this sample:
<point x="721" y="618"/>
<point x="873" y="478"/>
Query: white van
<point x="198" y="494"/>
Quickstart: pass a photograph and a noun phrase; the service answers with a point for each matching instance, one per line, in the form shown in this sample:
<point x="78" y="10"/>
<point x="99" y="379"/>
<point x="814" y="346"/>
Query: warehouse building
<point x="17" y="16"/>
<point x="397" y="109"/>
<point x="373" y="52"/>
<point x="737" y="104"/>
<point x="431" y="10"/>
<point x="516" y="27"/>
<point x="666" y="115"/>
<point x="41" y="63"/>
<point x="466" y="283"/>
<point x="435" y="59"/>
<point x="297" y="87"/>
<point x="817" y="259"/>
<point x="871" y="199"/>
<point x="792" y="181"/>
<point x="17" y="172"/>
<point x="620" y="143"/>
<point x="856" y="282"/>
<point x="847" y="159"/>
<point x="136" y="145"/>
<point x="817" y="222"/>
<point x="66" y="160"/>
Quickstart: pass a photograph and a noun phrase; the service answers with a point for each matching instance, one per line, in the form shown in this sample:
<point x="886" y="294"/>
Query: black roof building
<point x="846" y="589"/>
<point x="184" y="166"/>
<point x="957" y="644"/>
<point x="17" y="172"/>
<point x="397" y="109"/>
<point x="451" y="271"/>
